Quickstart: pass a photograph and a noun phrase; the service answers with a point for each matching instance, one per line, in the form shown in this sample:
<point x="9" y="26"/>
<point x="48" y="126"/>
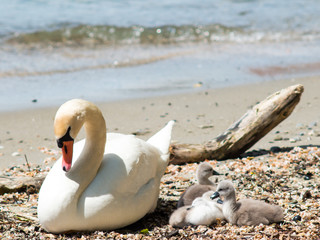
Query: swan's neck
<point x="87" y="165"/>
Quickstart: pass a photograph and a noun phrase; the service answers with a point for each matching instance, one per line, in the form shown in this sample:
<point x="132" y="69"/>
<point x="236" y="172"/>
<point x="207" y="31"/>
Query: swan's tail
<point x="162" y="139"/>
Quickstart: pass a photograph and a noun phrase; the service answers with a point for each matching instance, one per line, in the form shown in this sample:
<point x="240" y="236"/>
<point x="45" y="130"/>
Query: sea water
<point x="101" y="50"/>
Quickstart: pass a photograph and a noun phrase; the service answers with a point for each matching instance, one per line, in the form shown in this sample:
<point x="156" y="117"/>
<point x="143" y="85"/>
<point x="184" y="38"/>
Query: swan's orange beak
<point x="67" y="151"/>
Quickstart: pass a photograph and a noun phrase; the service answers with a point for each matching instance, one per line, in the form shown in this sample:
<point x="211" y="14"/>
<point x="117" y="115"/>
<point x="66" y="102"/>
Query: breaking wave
<point x="114" y="35"/>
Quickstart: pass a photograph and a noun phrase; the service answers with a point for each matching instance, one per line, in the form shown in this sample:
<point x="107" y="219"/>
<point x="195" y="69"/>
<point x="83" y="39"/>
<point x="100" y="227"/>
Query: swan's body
<point x="203" y="211"/>
<point x="110" y="184"/>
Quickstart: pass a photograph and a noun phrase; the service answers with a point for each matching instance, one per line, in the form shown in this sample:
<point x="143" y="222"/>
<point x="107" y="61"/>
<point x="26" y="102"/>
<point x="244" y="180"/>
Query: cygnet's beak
<point x="188" y="209"/>
<point x="219" y="201"/>
<point x="215" y="173"/>
<point x="215" y="195"/>
<point x="67" y="152"/>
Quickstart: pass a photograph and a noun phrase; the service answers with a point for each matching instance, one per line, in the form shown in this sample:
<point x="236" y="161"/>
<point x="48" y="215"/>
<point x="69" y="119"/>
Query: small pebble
<point x="173" y="233"/>
<point x="15" y="154"/>
<point x="196" y="85"/>
<point x="206" y="126"/>
<point x="299" y="125"/>
<point x="296" y="218"/>
<point x="314" y="133"/>
<point x="295" y="139"/>
<point x="311" y="133"/>
<point x="308" y="176"/>
<point x="278" y="138"/>
<point x="313" y="124"/>
<point x="306" y="195"/>
<point x="141" y="132"/>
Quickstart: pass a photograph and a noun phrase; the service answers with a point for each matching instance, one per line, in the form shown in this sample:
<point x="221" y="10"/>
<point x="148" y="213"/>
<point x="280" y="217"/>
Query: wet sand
<point x="200" y="116"/>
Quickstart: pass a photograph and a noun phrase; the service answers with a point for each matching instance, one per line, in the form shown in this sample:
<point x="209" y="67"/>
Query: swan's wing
<point x="127" y="165"/>
<point x="161" y="140"/>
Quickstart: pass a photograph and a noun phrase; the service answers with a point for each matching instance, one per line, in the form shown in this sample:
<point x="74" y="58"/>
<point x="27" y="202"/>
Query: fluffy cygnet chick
<point x="204" y="171"/>
<point x="203" y="211"/>
<point x="246" y="211"/>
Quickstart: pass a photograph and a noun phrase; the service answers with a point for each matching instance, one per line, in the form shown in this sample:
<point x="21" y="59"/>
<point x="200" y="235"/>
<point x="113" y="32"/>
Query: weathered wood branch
<point x="20" y="184"/>
<point x="245" y="132"/>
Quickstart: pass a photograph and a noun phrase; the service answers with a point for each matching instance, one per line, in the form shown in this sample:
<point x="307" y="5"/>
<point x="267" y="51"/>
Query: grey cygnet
<point x="246" y="211"/>
<point x="204" y="171"/>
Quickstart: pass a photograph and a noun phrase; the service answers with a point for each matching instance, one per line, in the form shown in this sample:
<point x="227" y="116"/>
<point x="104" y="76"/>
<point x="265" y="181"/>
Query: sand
<point x="200" y="115"/>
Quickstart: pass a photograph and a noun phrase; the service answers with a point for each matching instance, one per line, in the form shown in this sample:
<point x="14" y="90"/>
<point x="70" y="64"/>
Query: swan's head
<point x="68" y="121"/>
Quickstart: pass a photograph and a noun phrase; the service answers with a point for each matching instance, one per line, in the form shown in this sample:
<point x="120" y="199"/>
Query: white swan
<point x="103" y="185"/>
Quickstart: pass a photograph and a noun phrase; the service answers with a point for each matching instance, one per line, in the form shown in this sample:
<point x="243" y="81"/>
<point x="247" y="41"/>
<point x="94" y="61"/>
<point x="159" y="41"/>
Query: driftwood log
<point x="20" y="184"/>
<point x="244" y="133"/>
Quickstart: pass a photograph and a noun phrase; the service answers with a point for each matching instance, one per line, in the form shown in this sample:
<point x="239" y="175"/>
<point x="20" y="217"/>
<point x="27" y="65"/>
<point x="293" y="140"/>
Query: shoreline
<point x="132" y="72"/>
<point x="200" y="117"/>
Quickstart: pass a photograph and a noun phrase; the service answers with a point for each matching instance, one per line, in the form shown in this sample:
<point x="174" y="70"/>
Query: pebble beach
<point x="288" y="179"/>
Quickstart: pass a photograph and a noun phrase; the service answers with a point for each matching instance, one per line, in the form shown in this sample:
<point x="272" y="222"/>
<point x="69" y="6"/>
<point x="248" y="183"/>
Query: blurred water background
<point x="103" y="50"/>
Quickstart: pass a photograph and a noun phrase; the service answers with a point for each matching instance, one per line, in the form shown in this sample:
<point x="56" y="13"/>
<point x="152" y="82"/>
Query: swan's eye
<point x="65" y="138"/>
<point x="59" y="143"/>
